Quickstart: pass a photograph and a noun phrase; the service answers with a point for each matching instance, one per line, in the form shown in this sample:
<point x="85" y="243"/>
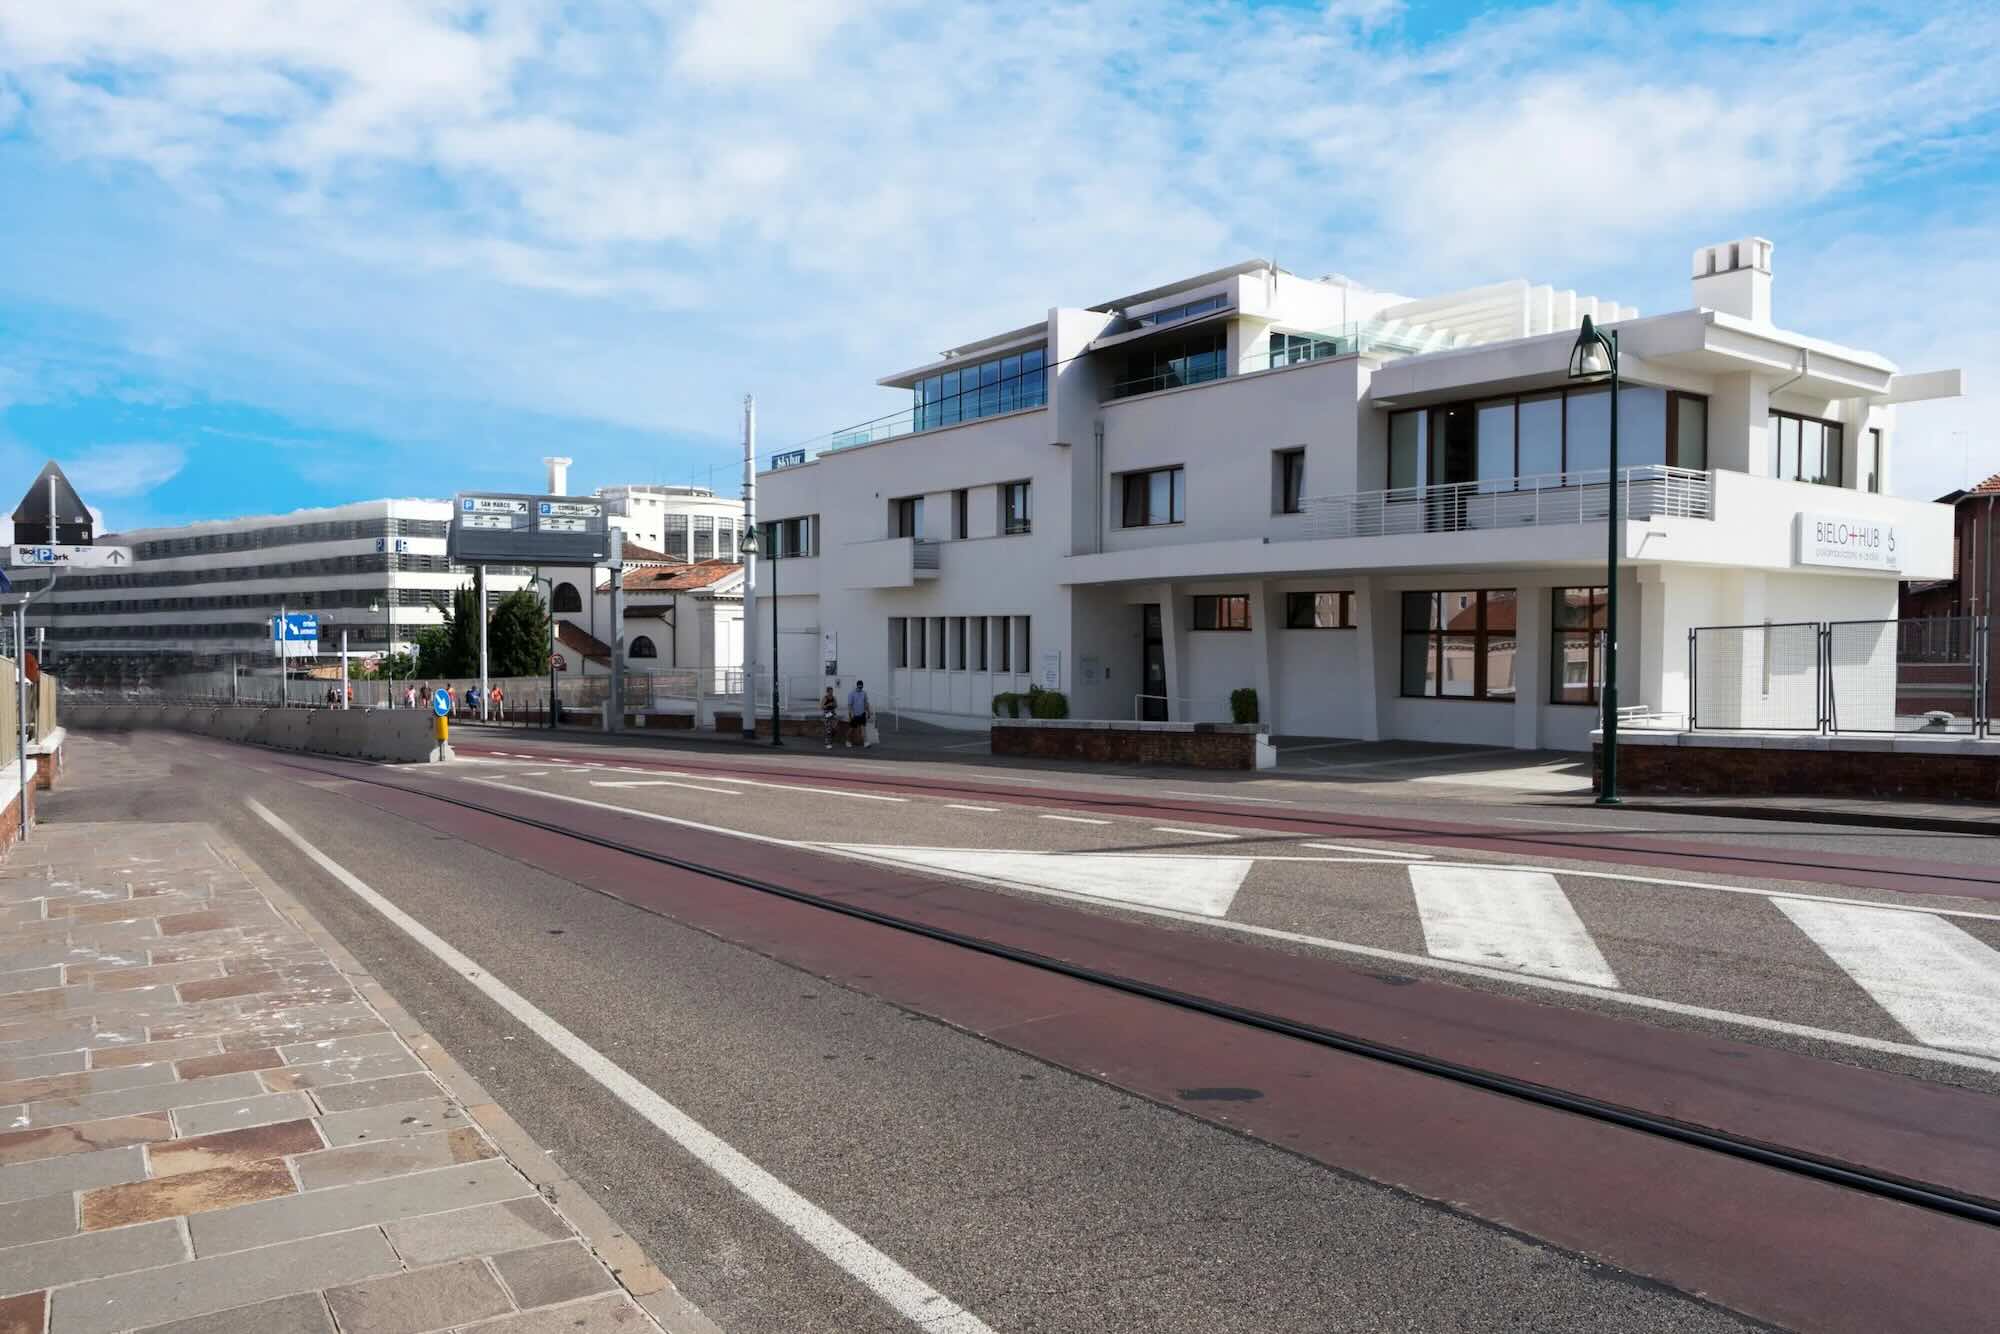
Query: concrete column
<point x="1374" y="622"/>
<point x="1739" y="425"/>
<point x="1268" y="616"/>
<point x="1531" y="665"/>
<point x="1662" y="684"/>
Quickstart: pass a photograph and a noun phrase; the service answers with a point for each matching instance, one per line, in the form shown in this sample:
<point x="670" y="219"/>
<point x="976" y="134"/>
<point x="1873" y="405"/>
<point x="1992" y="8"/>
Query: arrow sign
<point x="72" y="557"/>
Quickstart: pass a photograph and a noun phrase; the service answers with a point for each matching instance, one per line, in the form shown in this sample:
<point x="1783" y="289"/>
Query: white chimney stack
<point x="558" y="475"/>
<point x="1735" y="278"/>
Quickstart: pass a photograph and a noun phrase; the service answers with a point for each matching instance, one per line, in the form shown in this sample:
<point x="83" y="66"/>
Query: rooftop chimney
<point x="1735" y="278"/>
<point x="558" y="475"/>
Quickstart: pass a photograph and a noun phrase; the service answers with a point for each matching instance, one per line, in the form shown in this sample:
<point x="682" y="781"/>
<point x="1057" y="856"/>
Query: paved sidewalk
<point x="212" y="1120"/>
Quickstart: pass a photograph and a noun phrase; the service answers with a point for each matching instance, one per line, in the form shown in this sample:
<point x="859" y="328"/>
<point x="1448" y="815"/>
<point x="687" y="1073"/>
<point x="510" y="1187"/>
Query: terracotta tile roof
<point x="676" y="578"/>
<point x="1988" y="487"/>
<point x="582" y="642"/>
<point x="648" y="556"/>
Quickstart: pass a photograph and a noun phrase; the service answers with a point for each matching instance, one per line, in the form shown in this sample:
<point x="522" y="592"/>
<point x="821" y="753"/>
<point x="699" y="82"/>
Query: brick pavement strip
<point x="212" y="1121"/>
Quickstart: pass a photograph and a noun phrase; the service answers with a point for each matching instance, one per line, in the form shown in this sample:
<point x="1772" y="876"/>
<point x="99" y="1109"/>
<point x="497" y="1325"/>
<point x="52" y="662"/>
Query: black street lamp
<point x="747" y="546"/>
<point x="1595" y="357"/>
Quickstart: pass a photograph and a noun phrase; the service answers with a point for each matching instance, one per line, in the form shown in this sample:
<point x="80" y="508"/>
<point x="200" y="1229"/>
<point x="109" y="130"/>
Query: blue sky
<point x="257" y="255"/>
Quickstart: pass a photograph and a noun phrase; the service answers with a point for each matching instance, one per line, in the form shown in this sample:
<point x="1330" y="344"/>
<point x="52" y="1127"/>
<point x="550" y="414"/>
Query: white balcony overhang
<point x="1704" y="342"/>
<point x="971" y="354"/>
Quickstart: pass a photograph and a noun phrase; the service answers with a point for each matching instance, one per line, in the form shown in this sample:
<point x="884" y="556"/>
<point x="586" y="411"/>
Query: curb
<point x="641" y="1279"/>
<point x="1933" y="824"/>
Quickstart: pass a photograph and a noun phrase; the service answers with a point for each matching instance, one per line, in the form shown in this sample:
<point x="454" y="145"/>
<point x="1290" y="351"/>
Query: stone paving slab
<point x="212" y="1121"/>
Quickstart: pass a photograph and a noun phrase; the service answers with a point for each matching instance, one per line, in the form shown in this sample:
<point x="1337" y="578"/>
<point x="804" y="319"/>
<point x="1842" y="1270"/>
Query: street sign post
<point x="72" y="557"/>
<point x="494" y="529"/>
<point x="295" y="634"/>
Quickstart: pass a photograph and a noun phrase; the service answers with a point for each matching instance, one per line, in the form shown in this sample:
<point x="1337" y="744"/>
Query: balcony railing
<point x="1645" y="492"/>
<point x="924" y="555"/>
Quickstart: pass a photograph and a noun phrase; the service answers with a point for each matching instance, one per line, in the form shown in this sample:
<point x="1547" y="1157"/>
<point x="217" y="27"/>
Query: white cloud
<point x="123" y="469"/>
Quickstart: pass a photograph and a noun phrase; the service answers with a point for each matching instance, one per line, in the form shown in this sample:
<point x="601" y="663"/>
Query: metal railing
<point x="1377" y="337"/>
<point x="1200" y="369"/>
<point x="1916" y="677"/>
<point x="1647" y="491"/>
<point x="924" y="555"/>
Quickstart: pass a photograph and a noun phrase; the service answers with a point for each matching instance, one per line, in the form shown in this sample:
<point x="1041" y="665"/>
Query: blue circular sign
<point x="440" y="705"/>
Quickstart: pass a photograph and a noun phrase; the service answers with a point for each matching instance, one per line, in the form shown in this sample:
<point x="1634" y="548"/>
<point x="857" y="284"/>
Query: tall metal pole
<point x="1608" y="794"/>
<point x="284" y="659"/>
<point x="750" y="574"/>
<point x="343" y="670"/>
<point x="614" y="707"/>
<point x="776" y="726"/>
<point x="479" y="584"/>
<point x="21" y="695"/>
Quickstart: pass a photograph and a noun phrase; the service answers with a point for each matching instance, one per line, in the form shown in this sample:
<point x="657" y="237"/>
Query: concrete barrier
<point x="400" y="736"/>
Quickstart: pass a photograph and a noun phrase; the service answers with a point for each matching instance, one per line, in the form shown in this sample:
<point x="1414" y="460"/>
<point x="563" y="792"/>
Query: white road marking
<point x="1075" y="819"/>
<point x="1378" y="850"/>
<point x="664" y="782"/>
<point x="1202" y="885"/>
<point x="1230" y="796"/>
<point x="961" y="806"/>
<point x="910" y="1297"/>
<point x="1758" y="1023"/>
<point x="1191" y="833"/>
<point x="1936" y="979"/>
<point x="1517" y="920"/>
<point x="787" y="787"/>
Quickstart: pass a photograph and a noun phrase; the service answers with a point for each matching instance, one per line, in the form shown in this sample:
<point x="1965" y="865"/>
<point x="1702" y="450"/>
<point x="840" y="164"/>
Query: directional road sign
<point x="440" y="704"/>
<point x="73" y="557"/>
<point x="528" y="530"/>
<point x="295" y="635"/>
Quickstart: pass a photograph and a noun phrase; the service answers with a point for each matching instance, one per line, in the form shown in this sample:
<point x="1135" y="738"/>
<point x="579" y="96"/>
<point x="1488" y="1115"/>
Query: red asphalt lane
<point x="1776" y="1246"/>
<point x="1902" y="875"/>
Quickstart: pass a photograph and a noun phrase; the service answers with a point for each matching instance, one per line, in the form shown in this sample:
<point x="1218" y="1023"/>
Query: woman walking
<point x="829" y="714"/>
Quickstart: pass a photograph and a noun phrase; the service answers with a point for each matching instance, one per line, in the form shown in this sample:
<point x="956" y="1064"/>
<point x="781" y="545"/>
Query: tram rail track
<point x="1930" y="1196"/>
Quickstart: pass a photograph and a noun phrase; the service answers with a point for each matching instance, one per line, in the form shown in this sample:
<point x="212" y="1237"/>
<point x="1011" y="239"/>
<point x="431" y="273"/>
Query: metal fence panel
<point x="1916" y="676"/>
<point x="1761" y="678"/>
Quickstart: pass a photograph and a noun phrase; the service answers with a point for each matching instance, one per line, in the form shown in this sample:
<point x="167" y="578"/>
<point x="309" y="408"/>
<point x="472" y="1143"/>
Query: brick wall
<point x="1755" y="771"/>
<point x="1198" y="749"/>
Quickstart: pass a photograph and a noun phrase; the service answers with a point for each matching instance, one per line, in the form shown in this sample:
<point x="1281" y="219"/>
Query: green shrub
<point x="1047" y="703"/>
<point x="1243" y="705"/>
<point x="1006" y="704"/>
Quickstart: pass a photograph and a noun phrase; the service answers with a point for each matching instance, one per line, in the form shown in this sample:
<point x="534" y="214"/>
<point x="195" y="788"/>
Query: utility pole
<point x="614" y="707"/>
<point x="750" y="571"/>
<point x="479" y="587"/>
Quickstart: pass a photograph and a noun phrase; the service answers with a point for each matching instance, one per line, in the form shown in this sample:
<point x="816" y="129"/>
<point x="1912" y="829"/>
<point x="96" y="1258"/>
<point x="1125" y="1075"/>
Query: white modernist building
<point x="1385" y="516"/>
<point x="685" y="523"/>
<point x="375" y="569"/>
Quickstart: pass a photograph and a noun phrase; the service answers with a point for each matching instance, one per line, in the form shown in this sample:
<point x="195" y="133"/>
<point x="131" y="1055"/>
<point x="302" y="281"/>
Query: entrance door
<point x="1152" y="665"/>
<point x="1454" y="460"/>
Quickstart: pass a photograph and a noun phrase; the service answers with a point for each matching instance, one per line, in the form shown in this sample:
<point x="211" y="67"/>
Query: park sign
<point x="70" y="557"/>
<point x="1848" y="542"/>
<point x="493" y="528"/>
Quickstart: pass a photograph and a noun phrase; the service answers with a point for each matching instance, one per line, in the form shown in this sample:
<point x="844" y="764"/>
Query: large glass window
<point x="1539" y="436"/>
<point x="789" y="537"/>
<point x="1688" y="425"/>
<point x="1319" y="611"/>
<point x="1576" y="649"/>
<point x="1805" y="449"/>
<point x="1408" y="447"/>
<point x="906" y="517"/>
<point x="1221" y="611"/>
<point x="899" y="641"/>
<point x="1459" y="645"/>
<point x="1155" y="497"/>
<point x="1496" y="445"/>
<point x="1186" y="310"/>
<point x="1642" y="426"/>
<point x="1871" y="461"/>
<point x="1017" y="514"/>
<point x="1004" y="384"/>
<point x="704" y="537"/>
<point x="1194" y="359"/>
<point x="1587" y="431"/>
<point x="1289" y="349"/>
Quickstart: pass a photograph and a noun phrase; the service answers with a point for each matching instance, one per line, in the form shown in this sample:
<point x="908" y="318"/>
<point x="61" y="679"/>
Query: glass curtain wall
<point x="1530" y="440"/>
<point x="1003" y="384"/>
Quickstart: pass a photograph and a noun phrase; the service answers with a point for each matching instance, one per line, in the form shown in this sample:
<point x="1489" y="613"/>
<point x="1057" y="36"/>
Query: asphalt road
<point x="1035" y="1196"/>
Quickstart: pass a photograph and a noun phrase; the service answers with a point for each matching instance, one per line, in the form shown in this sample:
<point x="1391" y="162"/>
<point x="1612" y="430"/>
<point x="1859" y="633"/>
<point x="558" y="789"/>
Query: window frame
<point x="1290" y="464"/>
<point x="1010" y="526"/>
<point x="961" y="514"/>
<point x="1426" y="445"/>
<point x="1309" y="600"/>
<point x="1482" y="635"/>
<point x="1176" y="496"/>
<point x="1593" y="636"/>
<point x="1833" y="446"/>
<point x="1220" y="606"/>
<point x="908" y="516"/>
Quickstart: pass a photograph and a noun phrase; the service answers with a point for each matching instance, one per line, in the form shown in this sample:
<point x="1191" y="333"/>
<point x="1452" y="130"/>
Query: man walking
<point x="857" y="716"/>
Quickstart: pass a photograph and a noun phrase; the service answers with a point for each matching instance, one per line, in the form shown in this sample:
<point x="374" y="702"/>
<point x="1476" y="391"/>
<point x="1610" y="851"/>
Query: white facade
<point x="375" y="569"/>
<point x="1445" y="450"/>
<point x="688" y="523"/>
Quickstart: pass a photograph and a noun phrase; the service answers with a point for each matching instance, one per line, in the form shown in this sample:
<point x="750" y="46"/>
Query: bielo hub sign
<point x="1843" y="541"/>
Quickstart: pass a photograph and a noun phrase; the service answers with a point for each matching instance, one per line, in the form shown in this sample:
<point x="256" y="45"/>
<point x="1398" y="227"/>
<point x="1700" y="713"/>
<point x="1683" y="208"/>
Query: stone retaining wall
<point x="400" y="736"/>
<point x="1189" y="745"/>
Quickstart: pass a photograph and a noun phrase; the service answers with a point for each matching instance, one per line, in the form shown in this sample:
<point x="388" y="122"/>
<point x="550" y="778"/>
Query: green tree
<point x="517" y="639"/>
<point x="434" y="651"/>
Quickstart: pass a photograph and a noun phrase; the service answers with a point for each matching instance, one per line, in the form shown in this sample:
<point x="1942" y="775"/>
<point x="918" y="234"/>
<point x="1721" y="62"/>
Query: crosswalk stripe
<point x="1519" y="920"/>
<point x="1936" y="979"/>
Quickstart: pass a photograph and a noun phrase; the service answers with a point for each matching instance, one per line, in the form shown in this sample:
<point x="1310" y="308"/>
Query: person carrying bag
<point x="858" y="721"/>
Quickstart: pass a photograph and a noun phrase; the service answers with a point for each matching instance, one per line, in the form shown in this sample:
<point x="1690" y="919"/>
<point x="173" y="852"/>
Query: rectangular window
<point x="1291" y="481"/>
<point x="1319" y="611"/>
<point x="938" y="643"/>
<point x="899" y="641"/>
<point x="1221" y="611"/>
<point x="1408" y="448"/>
<point x="906" y="517"/>
<point x="1017" y="515"/>
<point x="958" y="643"/>
<point x="1004" y="384"/>
<point x="1154" y="498"/>
<point x="919" y="641"/>
<point x="1687" y="429"/>
<point x="1539" y="436"/>
<point x="1587" y="431"/>
<point x="1576" y="647"/>
<point x="1871" y="461"/>
<point x="978" y="643"/>
<point x="1459" y="645"/>
<point x="1805" y="449"/>
<point x="1025" y="656"/>
<point x="1003" y="648"/>
<point x="677" y="536"/>
<point x="1172" y="362"/>
<point x="961" y="514"/>
<point x="704" y="537"/>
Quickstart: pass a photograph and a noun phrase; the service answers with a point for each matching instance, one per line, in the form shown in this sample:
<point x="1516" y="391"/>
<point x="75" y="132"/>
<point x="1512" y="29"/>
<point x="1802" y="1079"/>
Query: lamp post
<point x="750" y="545"/>
<point x="388" y="607"/>
<point x="1595" y="357"/>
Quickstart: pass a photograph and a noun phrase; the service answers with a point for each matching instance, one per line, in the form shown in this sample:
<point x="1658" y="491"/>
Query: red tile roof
<point x="676" y="578"/>
<point x="648" y="556"/>
<point x="1988" y="487"/>
<point x="582" y="642"/>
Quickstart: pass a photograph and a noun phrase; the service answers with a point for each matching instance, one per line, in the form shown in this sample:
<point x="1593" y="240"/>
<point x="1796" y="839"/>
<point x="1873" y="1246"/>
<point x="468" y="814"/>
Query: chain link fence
<point x="1756" y="678"/>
